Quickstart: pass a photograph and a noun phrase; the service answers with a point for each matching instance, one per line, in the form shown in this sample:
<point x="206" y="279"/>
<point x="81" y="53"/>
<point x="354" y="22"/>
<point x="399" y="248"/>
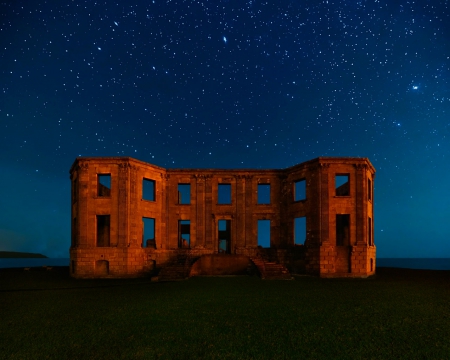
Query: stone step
<point x="271" y="270"/>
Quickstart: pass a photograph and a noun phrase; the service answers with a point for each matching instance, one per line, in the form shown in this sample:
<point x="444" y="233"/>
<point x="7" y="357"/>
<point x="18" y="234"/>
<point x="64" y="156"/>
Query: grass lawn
<point x="399" y="314"/>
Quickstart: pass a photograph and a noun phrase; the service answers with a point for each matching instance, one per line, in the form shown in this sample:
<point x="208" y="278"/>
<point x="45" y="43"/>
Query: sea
<point x="32" y="262"/>
<point x="406" y="263"/>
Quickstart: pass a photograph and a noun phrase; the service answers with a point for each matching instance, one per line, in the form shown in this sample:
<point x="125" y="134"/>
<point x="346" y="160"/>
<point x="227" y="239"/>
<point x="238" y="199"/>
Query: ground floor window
<point x="300" y="230"/>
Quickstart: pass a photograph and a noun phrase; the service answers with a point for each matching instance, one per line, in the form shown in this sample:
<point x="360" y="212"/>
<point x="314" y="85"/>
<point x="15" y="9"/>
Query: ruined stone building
<point x="131" y="218"/>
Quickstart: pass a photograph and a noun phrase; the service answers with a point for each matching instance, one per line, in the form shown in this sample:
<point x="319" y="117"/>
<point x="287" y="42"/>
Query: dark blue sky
<point x="226" y="84"/>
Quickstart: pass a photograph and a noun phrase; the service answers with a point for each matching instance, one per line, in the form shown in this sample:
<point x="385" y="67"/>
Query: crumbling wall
<point x="330" y="199"/>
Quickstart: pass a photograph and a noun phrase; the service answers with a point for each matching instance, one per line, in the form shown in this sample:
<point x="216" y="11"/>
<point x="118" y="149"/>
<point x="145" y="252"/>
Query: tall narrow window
<point x="184" y="194"/>
<point x="104" y="185"/>
<point x="224" y="194"/>
<point x="369" y="189"/>
<point x="369" y="229"/>
<point x="224" y="236"/>
<point x="342" y="184"/>
<point x="184" y="234"/>
<point x="103" y="230"/>
<point x="148" y="233"/>
<point x="342" y="229"/>
<point x="148" y="189"/>
<point x="300" y="190"/>
<point x="300" y="230"/>
<point x="264" y="233"/>
<point x="263" y="193"/>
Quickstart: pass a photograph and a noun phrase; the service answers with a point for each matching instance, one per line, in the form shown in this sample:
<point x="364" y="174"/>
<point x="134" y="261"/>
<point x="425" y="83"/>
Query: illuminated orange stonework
<point x="109" y="207"/>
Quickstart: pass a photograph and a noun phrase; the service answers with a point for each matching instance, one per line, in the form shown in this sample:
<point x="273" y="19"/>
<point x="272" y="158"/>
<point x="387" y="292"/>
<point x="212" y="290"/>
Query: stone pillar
<point x="134" y="222"/>
<point x="123" y="205"/>
<point x="200" y="210"/>
<point x="210" y="237"/>
<point x="249" y="238"/>
<point x="239" y="200"/>
<point x="324" y="203"/>
<point x="165" y="244"/>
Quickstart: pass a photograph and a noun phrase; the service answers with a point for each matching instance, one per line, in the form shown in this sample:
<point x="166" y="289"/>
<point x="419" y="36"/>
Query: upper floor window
<point x="263" y="193"/>
<point x="184" y="194"/>
<point x="342" y="184"/>
<point x="300" y="190"/>
<point x="104" y="185"/>
<point x="148" y="189"/>
<point x="369" y="189"/>
<point x="224" y="194"/>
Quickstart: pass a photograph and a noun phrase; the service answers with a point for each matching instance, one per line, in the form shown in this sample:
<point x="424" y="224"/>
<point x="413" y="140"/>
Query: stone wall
<point x="112" y="197"/>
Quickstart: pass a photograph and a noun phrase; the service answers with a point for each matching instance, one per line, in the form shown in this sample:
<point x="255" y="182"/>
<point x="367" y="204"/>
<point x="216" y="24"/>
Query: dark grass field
<point x="398" y="314"/>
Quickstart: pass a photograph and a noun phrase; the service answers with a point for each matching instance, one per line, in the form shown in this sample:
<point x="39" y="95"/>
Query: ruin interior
<point x="131" y="218"/>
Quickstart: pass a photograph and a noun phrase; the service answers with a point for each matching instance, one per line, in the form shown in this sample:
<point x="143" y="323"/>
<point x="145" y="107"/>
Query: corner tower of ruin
<point x="131" y="218"/>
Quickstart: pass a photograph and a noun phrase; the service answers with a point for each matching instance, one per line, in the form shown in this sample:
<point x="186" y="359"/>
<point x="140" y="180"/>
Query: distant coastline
<point x="19" y="255"/>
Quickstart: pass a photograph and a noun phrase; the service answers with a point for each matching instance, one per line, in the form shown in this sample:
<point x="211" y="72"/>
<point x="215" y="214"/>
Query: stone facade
<point x="131" y="218"/>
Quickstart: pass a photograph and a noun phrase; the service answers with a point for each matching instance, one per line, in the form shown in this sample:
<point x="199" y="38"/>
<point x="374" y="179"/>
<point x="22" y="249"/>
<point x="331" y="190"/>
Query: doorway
<point x="224" y="236"/>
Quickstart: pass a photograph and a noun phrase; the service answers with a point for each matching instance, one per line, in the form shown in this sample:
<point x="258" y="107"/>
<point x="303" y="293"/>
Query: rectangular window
<point x="370" y="232"/>
<point x="104" y="185"/>
<point x="224" y="194"/>
<point x="342" y="184"/>
<point x="148" y="189"/>
<point x="263" y="193"/>
<point x="264" y="233"/>
<point x="369" y="189"/>
<point x="148" y="233"/>
<point x="300" y="230"/>
<point x="184" y="234"/>
<point x="342" y="229"/>
<point x="300" y="190"/>
<point x="103" y="230"/>
<point x="224" y="236"/>
<point x="184" y="194"/>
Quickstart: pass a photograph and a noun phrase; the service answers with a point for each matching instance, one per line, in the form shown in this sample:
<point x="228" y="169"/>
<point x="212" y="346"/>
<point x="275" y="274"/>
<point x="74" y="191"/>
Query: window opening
<point x="263" y="193"/>
<point x="264" y="233"/>
<point x="342" y="229"/>
<point x="300" y="190"/>
<point x="148" y="233"/>
<point x="148" y="189"/>
<point x="184" y="234"/>
<point x="370" y="231"/>
<point x="224" y="236"/>
<point x="103" y="230"/>
<point x="224" y="194"/>
<point x="300" y="230"/>
<point x="104" y="185"/>
<point x="342" y="185"/>
<point x="184" y="194"/>
<point x="369" y="189"/>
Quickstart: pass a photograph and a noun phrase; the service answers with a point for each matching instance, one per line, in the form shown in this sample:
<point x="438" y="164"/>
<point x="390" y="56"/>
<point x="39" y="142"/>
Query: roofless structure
<point x="131" y="218"/>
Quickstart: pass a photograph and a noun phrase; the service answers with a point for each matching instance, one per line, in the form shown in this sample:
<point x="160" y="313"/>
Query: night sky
<point x="226" y="84"/>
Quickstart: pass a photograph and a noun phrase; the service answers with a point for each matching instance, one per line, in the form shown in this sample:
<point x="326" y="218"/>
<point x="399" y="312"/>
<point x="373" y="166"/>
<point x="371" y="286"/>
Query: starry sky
<point x="226" y="84"/>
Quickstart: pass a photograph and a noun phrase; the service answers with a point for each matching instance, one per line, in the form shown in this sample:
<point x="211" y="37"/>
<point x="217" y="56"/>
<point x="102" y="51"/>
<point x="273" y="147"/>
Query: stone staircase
<point x="178" y="270"/>
<point x="271" y="270"/>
